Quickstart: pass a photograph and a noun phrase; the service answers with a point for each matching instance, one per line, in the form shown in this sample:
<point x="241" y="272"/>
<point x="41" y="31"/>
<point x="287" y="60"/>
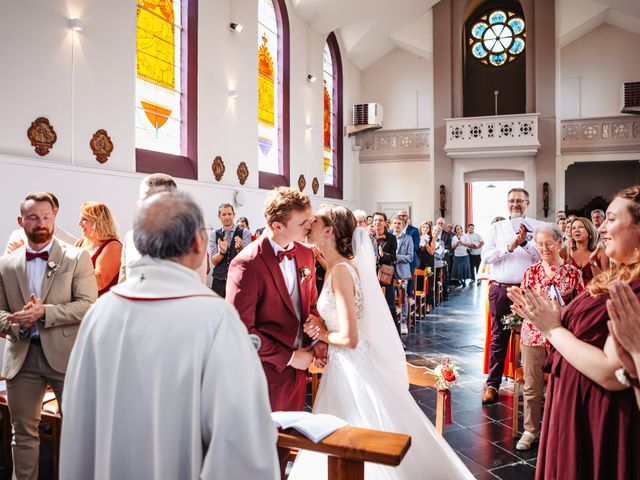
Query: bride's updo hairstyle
<point x="601" y="283"/>
<point x="344" y="224"/>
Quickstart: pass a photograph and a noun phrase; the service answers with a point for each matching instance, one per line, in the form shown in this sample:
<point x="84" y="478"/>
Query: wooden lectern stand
<point x="349" y="447"/>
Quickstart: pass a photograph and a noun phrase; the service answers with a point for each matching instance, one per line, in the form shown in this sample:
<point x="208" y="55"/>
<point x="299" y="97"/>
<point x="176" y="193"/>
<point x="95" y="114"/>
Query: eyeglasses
<point x="519" y="201"/>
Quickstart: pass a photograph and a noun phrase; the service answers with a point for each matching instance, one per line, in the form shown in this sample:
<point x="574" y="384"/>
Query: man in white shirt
<point x="475" y="250"/>
<point x="164" y="382"/>
<point x="510" y="250"/>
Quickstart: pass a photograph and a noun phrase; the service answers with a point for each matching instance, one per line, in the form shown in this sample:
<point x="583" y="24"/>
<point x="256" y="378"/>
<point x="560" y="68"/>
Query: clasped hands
<point x="30" y="313"/>
<point x="536" y="307"/>
<point x="317" y="353"/>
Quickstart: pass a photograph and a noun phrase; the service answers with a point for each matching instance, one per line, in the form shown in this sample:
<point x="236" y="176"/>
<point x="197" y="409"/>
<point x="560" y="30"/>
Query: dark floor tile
<point x="519" y="471"/>
<point x="489" y="456"/>
<point x="493" y="432"/>
<point x="498" y="411"/>
<point x="509" y="444"/>
<point x="473" y="467"/>
<point x="469" y="417"/>
<point x="485" y="475"/>
<point x="463" y="439"/>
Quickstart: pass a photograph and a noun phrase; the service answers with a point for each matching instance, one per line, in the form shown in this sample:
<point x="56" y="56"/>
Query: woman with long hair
<point x="100" y="238"/>
<point x="365" y="380"/>
<point x="591" y="426"/>
<point x="584" y="239"/>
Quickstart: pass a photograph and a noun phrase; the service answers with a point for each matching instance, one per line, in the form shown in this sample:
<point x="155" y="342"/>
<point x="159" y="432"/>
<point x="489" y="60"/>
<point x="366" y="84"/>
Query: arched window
<point x="166" y="69"/>
<point x="494" y="73"/>
<point x="332" y="81"/>
<point x="273" y="93"/>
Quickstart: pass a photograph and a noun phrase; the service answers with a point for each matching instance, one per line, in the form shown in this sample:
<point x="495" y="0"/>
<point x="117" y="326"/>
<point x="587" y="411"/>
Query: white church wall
<point x="598" y="63"/>
<point x="38" y="77"/>
<point x="409" y="182"/>
<point x="403" y="84"/>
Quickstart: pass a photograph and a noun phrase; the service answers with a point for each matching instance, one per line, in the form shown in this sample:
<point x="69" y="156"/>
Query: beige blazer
<point x="67" y="293"/>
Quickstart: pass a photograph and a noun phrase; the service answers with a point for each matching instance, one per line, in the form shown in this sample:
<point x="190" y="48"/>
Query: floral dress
<point x="567" y="279"/>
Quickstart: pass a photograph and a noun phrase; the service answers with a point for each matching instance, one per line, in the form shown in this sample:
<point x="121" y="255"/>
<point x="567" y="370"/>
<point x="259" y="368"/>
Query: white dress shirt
<point x="287" y="267"/>
<point x="476" y="239"/>
<point x="509" y="267"/>
<point x="36" y="269"/>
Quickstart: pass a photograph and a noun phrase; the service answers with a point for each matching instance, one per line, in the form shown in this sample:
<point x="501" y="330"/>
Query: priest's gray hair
<point x="165" y="224"/>
<point x="551" y="228"/>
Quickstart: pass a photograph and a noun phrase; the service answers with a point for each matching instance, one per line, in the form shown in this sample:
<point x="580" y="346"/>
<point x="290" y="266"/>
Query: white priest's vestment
<point x="164" y="383"/>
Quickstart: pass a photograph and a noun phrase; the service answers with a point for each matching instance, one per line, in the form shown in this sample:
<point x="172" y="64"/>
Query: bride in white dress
<point x="365" y="380"/>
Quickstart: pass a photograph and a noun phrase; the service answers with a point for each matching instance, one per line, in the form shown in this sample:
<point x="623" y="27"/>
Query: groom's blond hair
<point x="281" y="202"/>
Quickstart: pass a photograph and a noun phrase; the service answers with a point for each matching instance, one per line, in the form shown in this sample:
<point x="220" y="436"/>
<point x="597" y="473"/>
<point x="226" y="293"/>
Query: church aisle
<point x="481" y="435"/>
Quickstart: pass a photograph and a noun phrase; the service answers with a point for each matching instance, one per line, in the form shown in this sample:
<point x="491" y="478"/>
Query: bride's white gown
<point x="353" y="387"/>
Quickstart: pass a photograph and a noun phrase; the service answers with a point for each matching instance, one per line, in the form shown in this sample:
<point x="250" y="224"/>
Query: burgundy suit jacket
<point x="256" y="287"/>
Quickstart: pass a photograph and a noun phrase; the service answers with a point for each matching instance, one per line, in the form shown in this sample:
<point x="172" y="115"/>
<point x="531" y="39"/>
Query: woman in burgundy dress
<point x="591" y="426"/>
<point x="100" y="239"/>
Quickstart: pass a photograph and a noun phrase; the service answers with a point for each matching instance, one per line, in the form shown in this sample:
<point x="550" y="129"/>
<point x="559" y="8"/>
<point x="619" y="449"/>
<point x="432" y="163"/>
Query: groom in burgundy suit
<point x="272" y="285"/>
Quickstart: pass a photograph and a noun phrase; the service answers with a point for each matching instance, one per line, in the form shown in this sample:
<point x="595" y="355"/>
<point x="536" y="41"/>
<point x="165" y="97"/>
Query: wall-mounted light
<point x="236" y="27"/>
<point x="76" y="25"/>
<point x="233" y="94"/>
<point x="311" y="78"/>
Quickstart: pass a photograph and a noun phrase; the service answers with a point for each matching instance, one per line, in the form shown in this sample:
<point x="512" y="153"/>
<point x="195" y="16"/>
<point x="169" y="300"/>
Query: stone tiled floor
<point x="482" y="436"/>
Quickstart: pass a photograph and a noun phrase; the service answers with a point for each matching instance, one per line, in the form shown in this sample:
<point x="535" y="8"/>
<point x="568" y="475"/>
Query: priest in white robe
<point x="163" y="381"/>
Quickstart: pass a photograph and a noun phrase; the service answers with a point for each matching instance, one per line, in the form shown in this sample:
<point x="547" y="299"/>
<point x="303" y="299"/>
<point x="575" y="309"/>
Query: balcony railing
<point x="496" y="136"/>
<point x="394" y="145"/>
<point x="603" y="134"/>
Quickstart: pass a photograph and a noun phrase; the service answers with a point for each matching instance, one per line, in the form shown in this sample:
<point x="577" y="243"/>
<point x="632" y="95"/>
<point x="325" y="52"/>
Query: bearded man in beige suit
<point x="46" y="287"/>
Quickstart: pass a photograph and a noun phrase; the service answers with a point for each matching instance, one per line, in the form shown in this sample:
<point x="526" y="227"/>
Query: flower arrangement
<point x="304" y="273"/>
<point x="402" y="284"/>
<point x="511" y="321"/>
<point x="427" y="271"/>
<point x="446" y="374"/>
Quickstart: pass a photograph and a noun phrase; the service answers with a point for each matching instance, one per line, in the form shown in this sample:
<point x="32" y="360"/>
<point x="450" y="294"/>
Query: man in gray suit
<point x="46" y="287"/>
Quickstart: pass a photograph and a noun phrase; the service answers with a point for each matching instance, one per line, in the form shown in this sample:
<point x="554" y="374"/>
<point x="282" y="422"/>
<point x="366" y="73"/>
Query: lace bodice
<point x="327" y="300"/>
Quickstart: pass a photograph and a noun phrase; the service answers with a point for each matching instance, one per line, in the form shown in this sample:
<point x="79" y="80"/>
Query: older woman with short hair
<point x="100" y="238"/>
<point x="550" y="275"/>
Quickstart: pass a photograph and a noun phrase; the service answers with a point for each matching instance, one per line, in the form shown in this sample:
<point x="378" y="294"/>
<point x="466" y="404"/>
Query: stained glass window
<point x="329" y="115"/>
<point x="497" y="37"/>
<point x="158" y="75"/>
<point x="268" y="89"/>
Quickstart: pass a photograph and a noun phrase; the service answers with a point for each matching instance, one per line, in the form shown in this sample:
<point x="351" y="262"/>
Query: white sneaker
<point x="525" y="441"/>
<point x="403" y="329"/>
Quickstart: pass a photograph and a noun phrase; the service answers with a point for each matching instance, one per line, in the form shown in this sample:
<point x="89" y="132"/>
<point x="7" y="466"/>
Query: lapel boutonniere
<point x="304" y="273"/>
<point x="52" y="267"/>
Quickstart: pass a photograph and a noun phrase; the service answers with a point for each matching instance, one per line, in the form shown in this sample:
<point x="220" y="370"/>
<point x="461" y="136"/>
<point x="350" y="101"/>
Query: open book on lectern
<point x="313" y="426"/>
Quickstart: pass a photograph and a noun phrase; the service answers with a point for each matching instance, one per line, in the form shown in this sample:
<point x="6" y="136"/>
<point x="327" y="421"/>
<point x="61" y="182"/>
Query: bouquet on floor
<point x="511" y="321"/>
<point x="446" y="374"/>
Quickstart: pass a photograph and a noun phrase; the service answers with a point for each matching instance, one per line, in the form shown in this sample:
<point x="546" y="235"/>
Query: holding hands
<point x="536" y="307"/>
<point x="314" y="327"/>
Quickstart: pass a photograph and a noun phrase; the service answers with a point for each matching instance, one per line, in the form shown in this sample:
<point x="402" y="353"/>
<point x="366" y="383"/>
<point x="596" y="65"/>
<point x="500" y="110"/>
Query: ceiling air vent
<point x="366" y="117"/>
<point x="631" y="98"/>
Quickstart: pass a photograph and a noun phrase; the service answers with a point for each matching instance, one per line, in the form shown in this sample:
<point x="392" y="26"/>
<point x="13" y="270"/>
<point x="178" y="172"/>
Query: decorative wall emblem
<point x="217" y="167"/>
<point x="101" y="145"/>
<point x="42" y="135"/>
<point x="301" y="183"/>
<point x="315" y="185"/>
<point x="242" y="172"/>
<point x="443" y="200"/>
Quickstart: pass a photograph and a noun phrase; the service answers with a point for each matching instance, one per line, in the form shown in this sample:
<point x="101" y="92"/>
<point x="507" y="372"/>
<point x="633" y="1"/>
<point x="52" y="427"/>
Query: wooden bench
<point x="419" y="376"/>
<point x="349" y="447"/>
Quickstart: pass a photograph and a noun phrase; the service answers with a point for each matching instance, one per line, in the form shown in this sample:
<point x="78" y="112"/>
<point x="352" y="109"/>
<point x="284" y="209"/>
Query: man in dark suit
<point x="46" y="287"/>
<point x="272" y="285"/>
<point x="386" y="254"/>
<point x="414" y="233"/>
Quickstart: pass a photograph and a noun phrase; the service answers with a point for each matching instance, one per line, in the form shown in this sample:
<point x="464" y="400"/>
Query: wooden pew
<point x="349" y="447"/>
<point x="419" y="376"/>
